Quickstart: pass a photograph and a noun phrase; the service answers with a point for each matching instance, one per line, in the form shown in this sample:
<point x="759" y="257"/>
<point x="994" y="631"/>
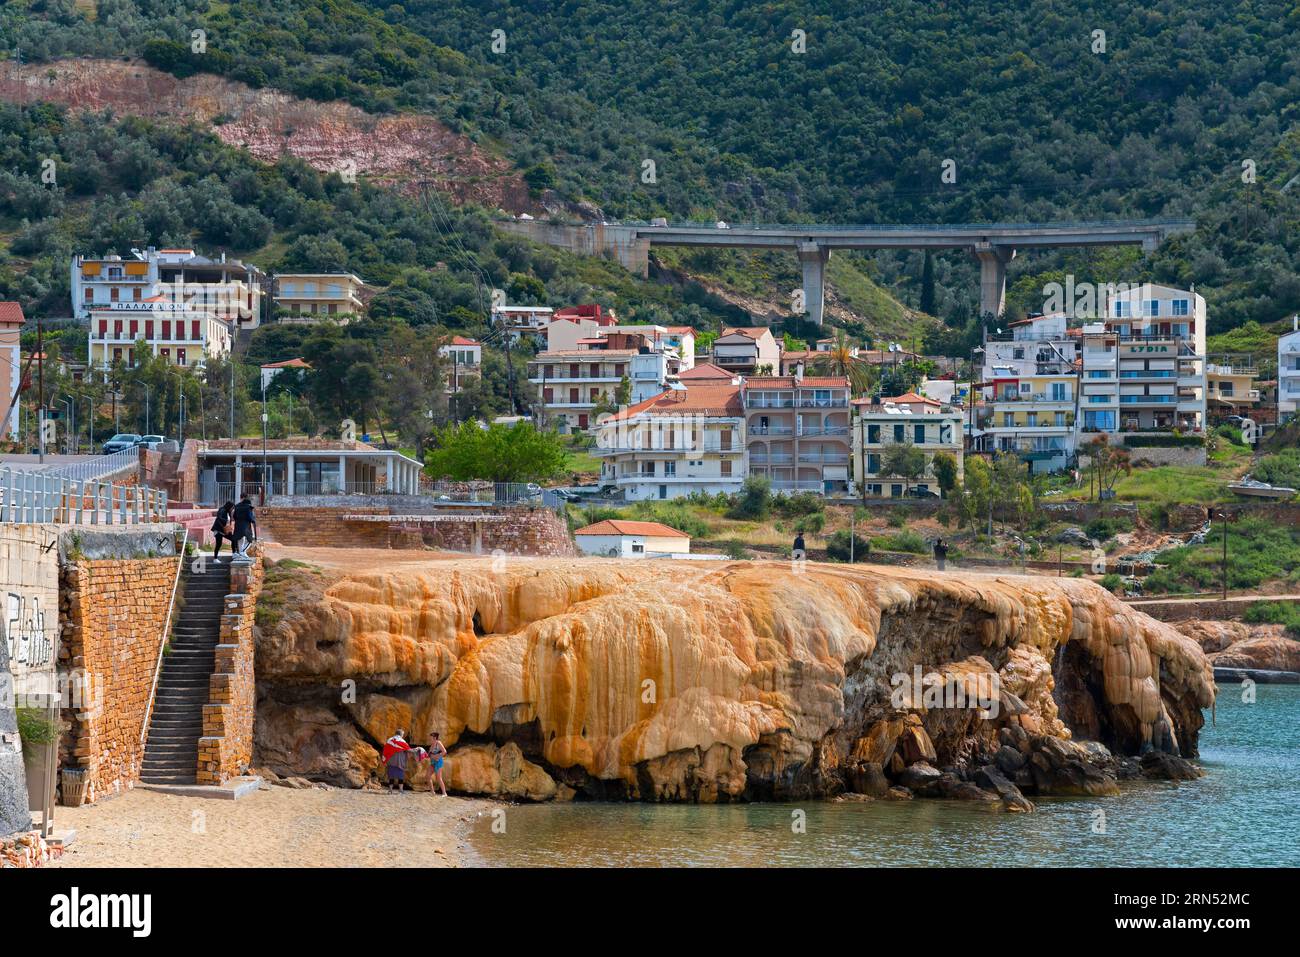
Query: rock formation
<point x="1235" y="644"/>
<point x="702" y="681"/>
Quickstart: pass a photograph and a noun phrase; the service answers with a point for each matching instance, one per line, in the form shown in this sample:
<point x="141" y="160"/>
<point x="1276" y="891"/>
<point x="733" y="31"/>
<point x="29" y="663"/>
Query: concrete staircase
<point x="171" y="753"/>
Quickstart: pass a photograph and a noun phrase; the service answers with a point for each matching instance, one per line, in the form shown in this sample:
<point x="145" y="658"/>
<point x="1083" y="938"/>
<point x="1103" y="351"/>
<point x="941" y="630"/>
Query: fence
<point x="98" y="466"/>
<point x="40" y="497"/>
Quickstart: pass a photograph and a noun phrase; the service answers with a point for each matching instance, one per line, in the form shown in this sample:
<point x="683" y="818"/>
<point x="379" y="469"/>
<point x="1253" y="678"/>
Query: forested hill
<point x="1041" y="122"/>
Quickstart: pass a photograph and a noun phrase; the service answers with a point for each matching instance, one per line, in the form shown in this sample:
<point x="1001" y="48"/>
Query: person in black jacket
<point x="245" y="525"/>
<point x="221" y="530"/>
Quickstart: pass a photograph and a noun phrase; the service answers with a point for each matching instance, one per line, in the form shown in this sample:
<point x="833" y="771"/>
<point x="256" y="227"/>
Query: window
<point x="918" y="433"/>
<point x="1060" y="419"/>
<point x="724" y="468"/>
<point x="1180" y="307"/>
<point x="873" y="463"/>
<point x="573" y="396"/>
<point x="873" y="434"/>
<point x="194" y="331"/>
<point x="1058" y="391"/>
<point x="1225" y="388"/>
<point x="180" y="357"/>
<point x="637" y="547"/>
<point x="670" y="470"/>
<point x="896" y="490"/>
<point x="1152" y="307"/>
<point x="1008" y="419"/>
<point x="898" y="433"/>
<point x="1122" y="309"/>
<point x="89" y="294"/>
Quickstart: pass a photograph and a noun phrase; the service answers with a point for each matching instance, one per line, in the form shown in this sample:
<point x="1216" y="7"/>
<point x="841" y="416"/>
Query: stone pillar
<point x="812" y="258"/>
<point x="343" y="474"/>
<point x="993" y="276"/>
<point x="239" y="476"/>
<point x="478" y="538"/>
<point x="288" y="475"/>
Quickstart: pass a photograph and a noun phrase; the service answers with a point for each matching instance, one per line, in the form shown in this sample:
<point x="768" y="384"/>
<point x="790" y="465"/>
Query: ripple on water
<point x="1246" y="811"/>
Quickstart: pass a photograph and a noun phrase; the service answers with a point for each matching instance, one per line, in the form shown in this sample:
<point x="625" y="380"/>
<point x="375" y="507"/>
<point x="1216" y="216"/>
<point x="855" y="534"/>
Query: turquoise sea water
<point x="1245" y="811"/>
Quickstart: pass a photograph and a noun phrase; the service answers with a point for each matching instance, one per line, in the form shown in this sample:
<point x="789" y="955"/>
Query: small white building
<point x="1288" y="370"/>
<point x="616" y="538"/>
<point x="272" y="369"/>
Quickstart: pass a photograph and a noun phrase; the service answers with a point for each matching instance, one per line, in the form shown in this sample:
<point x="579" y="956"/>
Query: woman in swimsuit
<point x="436" y="752"/>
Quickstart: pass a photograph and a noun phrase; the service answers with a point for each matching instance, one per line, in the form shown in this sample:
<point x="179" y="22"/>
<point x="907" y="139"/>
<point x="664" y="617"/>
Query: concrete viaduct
<point x="994" y="245"/>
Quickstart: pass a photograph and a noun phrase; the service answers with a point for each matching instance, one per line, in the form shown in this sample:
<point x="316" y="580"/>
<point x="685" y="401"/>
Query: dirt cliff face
<point x="405" y="151"/>
<point x="718" y="681"/>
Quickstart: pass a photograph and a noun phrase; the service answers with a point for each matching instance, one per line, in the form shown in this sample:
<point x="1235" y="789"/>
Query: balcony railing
<point x="825" y="458"/>
<point x="771" y="458"/>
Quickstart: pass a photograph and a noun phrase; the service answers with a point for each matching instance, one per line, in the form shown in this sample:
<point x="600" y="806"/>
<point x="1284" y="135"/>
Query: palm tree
<point x="839" y="360"/>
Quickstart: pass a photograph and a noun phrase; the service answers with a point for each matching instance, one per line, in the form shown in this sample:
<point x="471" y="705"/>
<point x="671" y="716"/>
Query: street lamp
<point x="69" y="431"/>
<point x="1226" y="517"/>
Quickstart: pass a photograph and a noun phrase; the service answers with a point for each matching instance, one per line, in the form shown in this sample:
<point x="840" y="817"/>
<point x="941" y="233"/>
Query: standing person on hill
<point x="245" y="525"/>
<point x="798" y="553"/>
<point x="940" y="554"/>
<point x="222" y="529"/>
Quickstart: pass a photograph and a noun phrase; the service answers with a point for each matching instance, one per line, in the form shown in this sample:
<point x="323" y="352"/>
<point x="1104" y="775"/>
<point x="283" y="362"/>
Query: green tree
<point x="944" y="467"/>
<point x="754" y="500"/>
<point x="903" y="460"/>
<point x="499" y="453"/>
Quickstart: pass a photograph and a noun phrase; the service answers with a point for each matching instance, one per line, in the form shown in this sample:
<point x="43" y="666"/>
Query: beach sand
<point x="276" y="827"/>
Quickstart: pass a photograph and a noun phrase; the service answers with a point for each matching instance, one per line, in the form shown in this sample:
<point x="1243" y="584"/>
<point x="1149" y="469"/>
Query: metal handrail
<point x="162" y="641"/>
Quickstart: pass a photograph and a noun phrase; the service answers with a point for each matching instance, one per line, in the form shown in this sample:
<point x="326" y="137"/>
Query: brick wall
<point x="113" y="613"/>
<point x="226" y="748"/>
<point x="316" y="527"/>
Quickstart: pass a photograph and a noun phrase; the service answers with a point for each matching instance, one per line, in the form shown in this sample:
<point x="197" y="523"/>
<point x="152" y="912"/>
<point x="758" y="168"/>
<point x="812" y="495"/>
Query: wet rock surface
<point x="730" y="681"/>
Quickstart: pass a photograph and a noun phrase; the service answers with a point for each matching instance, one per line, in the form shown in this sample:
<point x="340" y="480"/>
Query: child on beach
<point x="436" y="752"/>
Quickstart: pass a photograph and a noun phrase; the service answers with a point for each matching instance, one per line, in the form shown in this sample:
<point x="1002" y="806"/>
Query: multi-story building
<point x="1144" y="365"/>
<point x="229" y="289"/>
<point x="1230" y="387"/>
<point x="312" y="297"/>
<point x="1029" y="392"/>
<point x="466" y="358"/>
<point x="174" y="331"/>
<point x="519" y="322"/>
<point x="1030" y="385"/>
<point x="1288" y="371"/>
<point x="681" y="441"/>
<point x="571" y="383"/>
<point x="747" y="350"/>
<point x="797" y="431"/>
<point x="11" y="367"/>
<point x="908" y="419"/>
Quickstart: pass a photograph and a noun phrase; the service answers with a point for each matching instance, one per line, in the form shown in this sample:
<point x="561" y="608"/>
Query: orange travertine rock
<point x="716" y="680"/>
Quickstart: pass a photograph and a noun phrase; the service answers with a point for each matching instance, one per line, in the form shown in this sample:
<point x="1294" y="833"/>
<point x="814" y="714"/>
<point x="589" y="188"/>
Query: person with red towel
<point x="396" y="753"/>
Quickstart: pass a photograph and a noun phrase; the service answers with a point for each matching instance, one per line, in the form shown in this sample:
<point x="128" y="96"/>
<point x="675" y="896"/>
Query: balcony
<point x="815" y="430"/>
<point x="772" y="458"/>
<point x="1147" y="399"/>
<point x="696" y="449"/>
<point x="823" y="458"/>
<point x="783" y="430"/>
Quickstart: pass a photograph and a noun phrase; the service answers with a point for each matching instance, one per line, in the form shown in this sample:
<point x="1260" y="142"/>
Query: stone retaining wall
<point x="226" y="748"/>
<point x="526" y="531"/>
<point x="114" y="615"/>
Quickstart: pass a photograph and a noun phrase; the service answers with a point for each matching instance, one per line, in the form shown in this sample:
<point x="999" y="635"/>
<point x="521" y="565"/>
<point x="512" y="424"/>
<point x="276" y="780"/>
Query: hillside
<point x="1040" y="122"/>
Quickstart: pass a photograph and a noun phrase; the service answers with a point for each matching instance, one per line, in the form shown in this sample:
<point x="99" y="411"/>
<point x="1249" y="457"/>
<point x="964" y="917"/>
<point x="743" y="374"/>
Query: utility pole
<point x="266" y="483"/>
<point x="232" y="396"/>
<point x="1223" y="514"/>
<point x="40" y="387"/>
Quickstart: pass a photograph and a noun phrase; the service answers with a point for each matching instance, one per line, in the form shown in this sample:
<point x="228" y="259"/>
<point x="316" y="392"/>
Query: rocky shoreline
<point x="603" y="680"/>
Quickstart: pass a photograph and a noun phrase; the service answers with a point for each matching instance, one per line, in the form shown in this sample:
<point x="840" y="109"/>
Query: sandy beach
<point x="276" y="827"/>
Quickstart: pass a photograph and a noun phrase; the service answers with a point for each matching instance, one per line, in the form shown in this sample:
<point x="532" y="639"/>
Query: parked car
<point x="151" y="441"/>
<point x="918" y="492"/>
<point x="121" y="442"/>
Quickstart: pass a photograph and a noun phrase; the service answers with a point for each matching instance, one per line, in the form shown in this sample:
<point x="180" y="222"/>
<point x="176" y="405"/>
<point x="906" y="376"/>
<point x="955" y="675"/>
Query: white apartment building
<point x="571" y="383"/>
<point x="229" y="289"/>
<point x="908" y="419"/>
<point x="1030" y="387"/>
<point x="1288" y="371"/>
<point x="1143" y="366"/>
<point x="522" y="321"/>
<point x="747" y="350"/>
<point x="676" y="443"/>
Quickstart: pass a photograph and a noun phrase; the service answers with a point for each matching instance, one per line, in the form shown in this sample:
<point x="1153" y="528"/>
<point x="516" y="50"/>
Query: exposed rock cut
<point x="727" y="681"/>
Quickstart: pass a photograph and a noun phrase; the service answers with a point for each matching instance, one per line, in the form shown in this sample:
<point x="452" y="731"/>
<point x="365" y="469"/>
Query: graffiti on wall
<point x="24" y="625"/>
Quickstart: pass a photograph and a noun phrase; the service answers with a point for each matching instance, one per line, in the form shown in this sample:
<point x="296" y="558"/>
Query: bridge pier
<point x="993" y="276"/>
<point x="812" y="257"/>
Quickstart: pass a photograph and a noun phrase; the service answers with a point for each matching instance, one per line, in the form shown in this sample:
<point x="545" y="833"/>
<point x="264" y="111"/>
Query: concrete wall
<point x="614" y="242"/>
<point x="29" y="583"/>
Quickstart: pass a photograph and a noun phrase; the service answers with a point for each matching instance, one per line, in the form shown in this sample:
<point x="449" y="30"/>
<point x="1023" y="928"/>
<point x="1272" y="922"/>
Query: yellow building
<point x="311" y="297"/>
<point x="174" y="331"/>
<point x="1230" y="386"/>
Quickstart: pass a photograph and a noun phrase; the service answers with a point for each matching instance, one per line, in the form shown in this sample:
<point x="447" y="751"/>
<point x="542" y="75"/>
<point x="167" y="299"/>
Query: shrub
<point x="800" y="503"/>
<point x="837" y="547"/>
<point x="735" y="549"/>
<point x="898" y="518"/>
<point x="810" y="524"/>
<point x="754" y="499"/>
<point x="905" y="541"/>
<point x="1112" y="583"/>
<point x="1275" y="613"/>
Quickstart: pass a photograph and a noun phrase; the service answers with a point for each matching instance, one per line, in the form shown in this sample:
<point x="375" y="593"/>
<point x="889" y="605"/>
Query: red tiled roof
<point x="11" y="312"/>
<point x="680" y="330"/>
<point x="585" y="353"/>
<point x="617" y="526"/>
<point x="788" y="382"/>
<point x="462" y="341"/>
<point x="911" y="398"/>
<point x="703" y="398"/>
<point x="753" y="332"/>
<point x="705" y="370"/>
<point x="287" y="364"/>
